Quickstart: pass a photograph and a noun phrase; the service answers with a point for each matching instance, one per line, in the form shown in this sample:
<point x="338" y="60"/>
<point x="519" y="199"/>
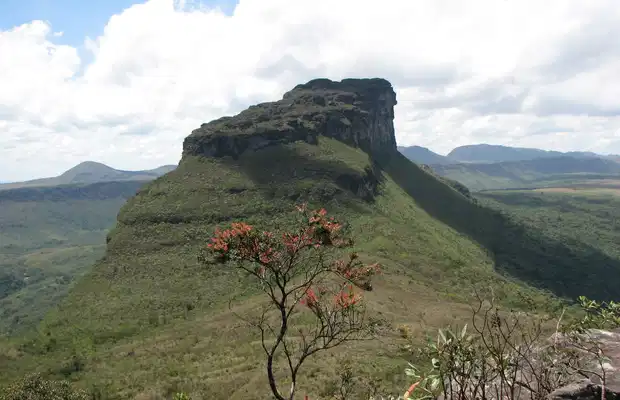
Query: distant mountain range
<point x="484" y="166"/>
<point x="539" y="172"/>
<point x="488" y="153"/>
<point x="91" y="172"/>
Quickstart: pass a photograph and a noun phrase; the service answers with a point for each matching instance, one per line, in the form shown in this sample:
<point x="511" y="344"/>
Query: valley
<point x="50" y="236"/>
<point x="486" y="167"/>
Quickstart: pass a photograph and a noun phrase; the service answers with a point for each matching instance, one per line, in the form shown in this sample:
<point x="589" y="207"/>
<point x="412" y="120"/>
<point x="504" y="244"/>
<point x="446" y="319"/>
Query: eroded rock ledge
<point x="359" y="112"/>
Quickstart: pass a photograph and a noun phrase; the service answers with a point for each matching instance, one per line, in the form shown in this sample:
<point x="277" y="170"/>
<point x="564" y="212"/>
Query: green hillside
<point x="50" y="237"/>
<point x="540" y="172"/>
<point x="150" y="319"/>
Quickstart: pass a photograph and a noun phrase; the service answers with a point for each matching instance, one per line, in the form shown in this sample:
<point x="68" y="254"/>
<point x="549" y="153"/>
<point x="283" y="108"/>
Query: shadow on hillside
<point x="284" y="172"/>
<point x="523" y="253"/>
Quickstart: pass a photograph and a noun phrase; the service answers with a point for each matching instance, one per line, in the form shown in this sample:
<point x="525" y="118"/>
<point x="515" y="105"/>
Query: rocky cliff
<point x="358" y="112"/>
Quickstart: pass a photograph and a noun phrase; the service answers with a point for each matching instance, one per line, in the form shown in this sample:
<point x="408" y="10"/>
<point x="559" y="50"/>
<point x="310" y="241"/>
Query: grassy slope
<point x="150" y="319"/>
<point x="48" y="238"/>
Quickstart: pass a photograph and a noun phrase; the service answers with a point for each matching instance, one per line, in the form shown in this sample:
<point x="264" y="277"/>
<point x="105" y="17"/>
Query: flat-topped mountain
<point x="357" y="112"/>
<point x="330" y="144"/>
<point x="91" y="172"/>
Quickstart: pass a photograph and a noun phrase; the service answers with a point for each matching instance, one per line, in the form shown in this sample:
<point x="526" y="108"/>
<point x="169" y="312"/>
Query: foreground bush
<point x="509" y="355"/>
<point x="34" y="387"/>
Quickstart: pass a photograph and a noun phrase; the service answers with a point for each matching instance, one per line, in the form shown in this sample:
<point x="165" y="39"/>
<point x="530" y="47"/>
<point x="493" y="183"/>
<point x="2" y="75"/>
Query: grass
<point x="149" y="319"/>
<point x="49" y="238"/>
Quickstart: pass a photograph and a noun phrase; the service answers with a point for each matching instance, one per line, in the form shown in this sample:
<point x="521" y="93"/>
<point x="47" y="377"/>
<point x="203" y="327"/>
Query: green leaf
<point x="464" y="331"/>
<point x="443" y="336"/>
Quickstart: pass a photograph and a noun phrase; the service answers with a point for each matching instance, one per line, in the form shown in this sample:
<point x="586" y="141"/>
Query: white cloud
<point x="515" y="72"/>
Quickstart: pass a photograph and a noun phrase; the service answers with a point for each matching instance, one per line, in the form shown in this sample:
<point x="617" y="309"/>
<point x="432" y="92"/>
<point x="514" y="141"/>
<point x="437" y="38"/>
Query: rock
<point x="609" y="343"/>
<point x="358" y="112"/>
<point x="573" y="385"/>
<point x="582" y="390"/>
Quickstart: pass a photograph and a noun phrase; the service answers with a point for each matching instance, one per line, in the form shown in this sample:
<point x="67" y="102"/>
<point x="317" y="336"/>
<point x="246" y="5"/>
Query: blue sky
<point x="77" y="19"/>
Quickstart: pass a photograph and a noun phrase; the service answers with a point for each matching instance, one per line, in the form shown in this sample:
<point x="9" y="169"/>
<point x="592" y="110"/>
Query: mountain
<point x="422" y="155"/>
<point x="487" y="153"/>
<point x="528" y="173"/>
<point x="150" y="319"/>
<point x="91" y="172"/>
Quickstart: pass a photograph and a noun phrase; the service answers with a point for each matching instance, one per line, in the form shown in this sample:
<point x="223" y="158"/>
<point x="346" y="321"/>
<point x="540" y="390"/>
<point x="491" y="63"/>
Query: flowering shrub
<point x="298" y="270"/>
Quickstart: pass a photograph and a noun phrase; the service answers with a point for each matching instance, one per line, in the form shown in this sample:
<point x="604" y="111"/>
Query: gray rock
<point x="358" y="112"/>
<point x="582" y="390"/>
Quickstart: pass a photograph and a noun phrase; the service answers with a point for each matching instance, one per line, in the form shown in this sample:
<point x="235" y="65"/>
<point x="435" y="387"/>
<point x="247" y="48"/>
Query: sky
<point x="124" y="82"/>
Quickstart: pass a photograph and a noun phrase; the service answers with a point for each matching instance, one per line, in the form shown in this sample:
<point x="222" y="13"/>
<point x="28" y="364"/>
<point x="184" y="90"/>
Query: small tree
<point x="299" y="270"/>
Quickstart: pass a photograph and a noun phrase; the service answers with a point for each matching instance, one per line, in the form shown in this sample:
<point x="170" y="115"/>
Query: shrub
<point x="505" y="354"/>
<point x="34" y="387"/>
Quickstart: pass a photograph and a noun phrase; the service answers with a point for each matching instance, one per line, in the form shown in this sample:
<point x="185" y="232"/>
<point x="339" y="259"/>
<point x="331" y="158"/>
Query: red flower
<point x="310" y="299"/>
<point x="346" y="300"/>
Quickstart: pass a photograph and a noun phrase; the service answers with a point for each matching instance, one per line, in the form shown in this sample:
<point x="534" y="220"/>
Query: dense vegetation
<point x="50" y="237"/>
<point x="150" y="306"/>
<point x="587" y="221"/>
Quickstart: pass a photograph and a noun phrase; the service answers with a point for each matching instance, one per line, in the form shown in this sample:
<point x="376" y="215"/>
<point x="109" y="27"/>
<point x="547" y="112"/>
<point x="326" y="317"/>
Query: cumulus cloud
<point x="514" y="72"/>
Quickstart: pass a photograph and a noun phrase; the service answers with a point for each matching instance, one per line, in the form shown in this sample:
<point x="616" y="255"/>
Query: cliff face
<point x="358" y="112"/>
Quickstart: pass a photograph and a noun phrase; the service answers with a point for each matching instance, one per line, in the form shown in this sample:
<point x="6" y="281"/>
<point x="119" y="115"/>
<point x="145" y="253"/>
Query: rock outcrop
<point x="359" y="112"/>
<point x="593" y="369"/>
<point x="582" y="390"/>
<point x="608" y="342"/>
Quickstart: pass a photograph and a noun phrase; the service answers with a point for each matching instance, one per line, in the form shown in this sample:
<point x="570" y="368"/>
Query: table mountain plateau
<point x="150" y="318"/>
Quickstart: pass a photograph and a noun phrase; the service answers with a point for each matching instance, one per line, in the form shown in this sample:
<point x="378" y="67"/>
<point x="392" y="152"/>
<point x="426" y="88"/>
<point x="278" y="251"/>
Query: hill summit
<point x="423" y="155"/>
<point x="89" y="171"/>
